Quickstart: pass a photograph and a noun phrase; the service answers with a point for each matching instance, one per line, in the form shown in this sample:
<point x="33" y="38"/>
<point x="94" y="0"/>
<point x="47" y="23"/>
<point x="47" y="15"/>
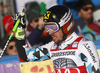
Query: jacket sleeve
<point x="35" y="36"/>
<point x="21" y="50"/>
<point x="89" y="56"/>
<point x="39" y="54"/>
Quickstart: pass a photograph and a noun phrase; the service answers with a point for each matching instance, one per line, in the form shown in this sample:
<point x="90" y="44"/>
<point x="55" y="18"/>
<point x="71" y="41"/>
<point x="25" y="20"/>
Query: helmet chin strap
<point x="64" y="35"/>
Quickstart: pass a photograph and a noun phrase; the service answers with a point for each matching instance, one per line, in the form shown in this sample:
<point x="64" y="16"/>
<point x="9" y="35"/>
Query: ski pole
<point x="13" y="31"/>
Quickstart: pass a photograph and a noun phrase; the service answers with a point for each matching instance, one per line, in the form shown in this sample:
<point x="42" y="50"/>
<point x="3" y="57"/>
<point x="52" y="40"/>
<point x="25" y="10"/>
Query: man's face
<point x="34" y="23"/>
<point x="86" y="12"/>
<point x="11" y="48"/>
<point x="57" y="36"/>
<point x="37" y="21"/>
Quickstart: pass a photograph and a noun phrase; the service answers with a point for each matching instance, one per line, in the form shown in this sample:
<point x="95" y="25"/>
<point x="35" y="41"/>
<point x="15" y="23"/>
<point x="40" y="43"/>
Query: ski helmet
<point x="61" y="16"/>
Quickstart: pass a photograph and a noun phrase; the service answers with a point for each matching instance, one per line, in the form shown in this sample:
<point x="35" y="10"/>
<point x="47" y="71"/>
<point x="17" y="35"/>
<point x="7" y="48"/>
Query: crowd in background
<point x="85" y="12"/>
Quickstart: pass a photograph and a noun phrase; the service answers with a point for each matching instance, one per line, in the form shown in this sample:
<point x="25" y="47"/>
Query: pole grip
<point x="14" y="29"/>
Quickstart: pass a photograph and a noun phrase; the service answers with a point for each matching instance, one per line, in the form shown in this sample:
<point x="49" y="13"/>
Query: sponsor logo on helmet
<point x="65" y="18"/>
<point x="47" y="14"/>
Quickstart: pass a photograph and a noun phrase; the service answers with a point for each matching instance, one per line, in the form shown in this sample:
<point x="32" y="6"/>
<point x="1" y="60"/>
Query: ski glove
<point x="20" y="31"/>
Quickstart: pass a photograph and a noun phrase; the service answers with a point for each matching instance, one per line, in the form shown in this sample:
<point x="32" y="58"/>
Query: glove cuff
<point x="20" y="34"/>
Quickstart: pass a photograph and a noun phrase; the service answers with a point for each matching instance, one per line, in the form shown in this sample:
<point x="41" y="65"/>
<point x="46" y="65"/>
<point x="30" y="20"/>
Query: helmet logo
<point x="47" y="14"/>
<point x="65" y="18"/>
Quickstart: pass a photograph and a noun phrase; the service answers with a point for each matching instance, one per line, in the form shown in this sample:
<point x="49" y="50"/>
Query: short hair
<point x="82" y="3"/>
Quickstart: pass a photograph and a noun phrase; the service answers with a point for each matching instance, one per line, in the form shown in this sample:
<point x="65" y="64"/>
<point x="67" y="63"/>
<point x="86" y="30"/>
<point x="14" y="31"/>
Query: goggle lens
<point x="51" y="27"/>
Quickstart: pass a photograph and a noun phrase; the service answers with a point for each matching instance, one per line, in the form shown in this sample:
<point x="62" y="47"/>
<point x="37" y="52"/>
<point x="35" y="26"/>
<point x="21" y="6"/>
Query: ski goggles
<point x="51" y="27"/>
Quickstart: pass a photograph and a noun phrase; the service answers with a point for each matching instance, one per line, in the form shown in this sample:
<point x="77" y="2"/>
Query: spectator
<point x="11" y="49"/>
<point x="33" y="12"/>
<point x="35" y="32"/>
<point x="92" y="31"/>
<point x="84" y="8"/>
<point x="72" y="5"/>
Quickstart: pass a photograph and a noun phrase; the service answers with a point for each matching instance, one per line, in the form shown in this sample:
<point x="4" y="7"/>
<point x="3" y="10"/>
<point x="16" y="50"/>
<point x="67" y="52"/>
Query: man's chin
<point x="57" y="42"/>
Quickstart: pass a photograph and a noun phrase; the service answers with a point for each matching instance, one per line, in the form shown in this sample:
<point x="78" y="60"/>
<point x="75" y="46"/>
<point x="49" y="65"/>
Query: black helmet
<point x="61" y="15"/>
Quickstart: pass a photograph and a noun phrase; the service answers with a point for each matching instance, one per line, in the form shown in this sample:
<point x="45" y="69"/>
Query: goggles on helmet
<point x="51" y="27"/>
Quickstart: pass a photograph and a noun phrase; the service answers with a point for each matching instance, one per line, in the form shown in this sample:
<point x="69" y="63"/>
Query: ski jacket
<point x="73" y="55"/>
